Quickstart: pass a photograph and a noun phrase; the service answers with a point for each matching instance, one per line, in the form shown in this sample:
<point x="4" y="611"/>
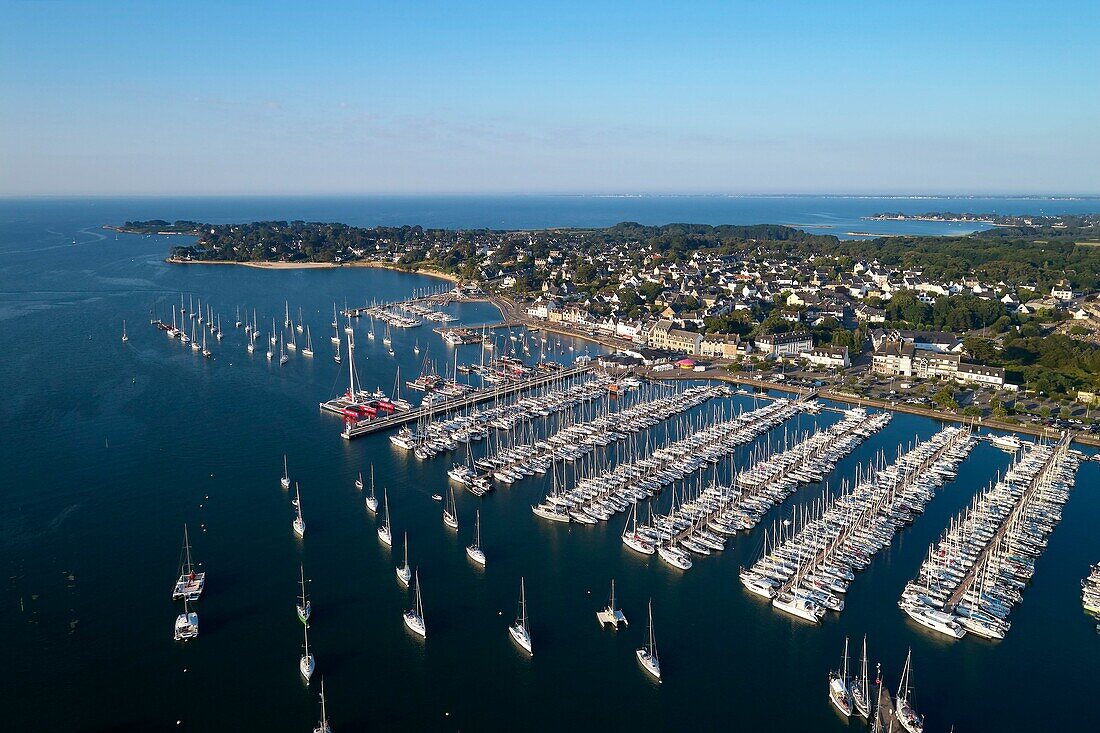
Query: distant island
<point x="1063" y="221"/>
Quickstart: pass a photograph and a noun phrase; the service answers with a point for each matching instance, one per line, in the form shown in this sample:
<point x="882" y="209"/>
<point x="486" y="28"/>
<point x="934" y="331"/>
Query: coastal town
<point x="907" y="322"/>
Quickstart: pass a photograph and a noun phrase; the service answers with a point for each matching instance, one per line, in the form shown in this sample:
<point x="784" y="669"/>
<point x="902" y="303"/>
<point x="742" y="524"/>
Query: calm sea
<point x="109" y="448"/>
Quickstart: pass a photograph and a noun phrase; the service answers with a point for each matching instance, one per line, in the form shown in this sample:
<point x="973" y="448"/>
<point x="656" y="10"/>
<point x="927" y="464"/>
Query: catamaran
<point x="518" y="630"/>
<point x="860" y="687"/>
<point x="839" y="688"/>
<point x="285" y="480"/>
<point x="414" y="617"/>
<point x="299" y="523"/>
<point x="303" y="605"/>
<point x="372" y="500"/>
<point x="384" y="532"/>
<point x="190" y="584"/>
<point x="404" y="574"/>
<point x="125" y="338"/>
<point x="187" y="624"/>
<point x="648" y="655"/>
<point x="474" y="551"/>
<point x="306" y="664"/>
<point x="906" y="715"/>
<point x="323" y="726"/>
<point x="611" y="614"/>
<point x="450" y="510"/>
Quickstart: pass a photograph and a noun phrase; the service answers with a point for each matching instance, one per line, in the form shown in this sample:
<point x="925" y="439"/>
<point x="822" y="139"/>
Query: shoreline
<point x="317" y="266"/>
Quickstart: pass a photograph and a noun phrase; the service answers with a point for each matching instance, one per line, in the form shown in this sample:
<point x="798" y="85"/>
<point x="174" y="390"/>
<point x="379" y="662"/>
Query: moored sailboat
<point x="384" y="532"/>
<point x="414" y="617"/>
<point x="323" y="726"/>
<point x="839" y="690"/>
<point x="304" y="607"/>
<point x="906" y="715"/>
<point x="404" y="574"/>
<point x="611" y="614"/>
<point x="860" y="687"/>
<point x="474" y="551"/>
<point x="519" y="630"/>
<point x="285" y="480"/>
<point x="190" y="584"/>
<point x="306" y="664"/>
<point x="187" y="624"/>
<point x="372" y="499"/>
<point x="299" y="524"/>
<point x="450" y="510"/>
<point x="647" y="656"/>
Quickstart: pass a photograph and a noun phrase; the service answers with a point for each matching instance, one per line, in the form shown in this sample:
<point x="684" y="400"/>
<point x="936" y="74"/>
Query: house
<point x="893" y="358"/>
<point x="663" y="336"/>
<point x="828" y="357"/>
<point x="1061" y="290"/>
<point x="867" y="314"/>
<point x="722" y="345"/>
<point x="981" y="374"/>
<point x="785" y="344"/>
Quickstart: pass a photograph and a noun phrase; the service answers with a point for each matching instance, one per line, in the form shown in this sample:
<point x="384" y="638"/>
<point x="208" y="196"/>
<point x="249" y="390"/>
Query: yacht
<point x="904" y="709"/>
<point x="306" y="664"/>
<point x="519" y="630"/>
<point x="674" y="556"/>
<point x="308" y="350"/>
<point x="384" y="532"/>
<point x="1009" y="443"/>
<point x="632" y="539"/>
<point x="299" y="524"/>
<point x="187" y="624"/>
<point x="372" y="499"/>
<point x="839" y="688"/>
<point x="450" y="510"/>
<point x="323" y="726"/>
<point x="934" y="619"/>
<point x="474" y="551"/>
<point x="404" y="574"/>
<point x="414" y="617"/>
<point x="611" y="614"/>
<point x="648" y="654"/>
<point x="285" y="480"/>
<point x="190" y="584"/>
<point x="303" y="605"/>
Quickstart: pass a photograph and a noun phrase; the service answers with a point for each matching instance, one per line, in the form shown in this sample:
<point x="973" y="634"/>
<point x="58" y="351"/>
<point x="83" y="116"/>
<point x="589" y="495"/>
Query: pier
<point x="398" y="419"/>
<point x="953" y="601"/>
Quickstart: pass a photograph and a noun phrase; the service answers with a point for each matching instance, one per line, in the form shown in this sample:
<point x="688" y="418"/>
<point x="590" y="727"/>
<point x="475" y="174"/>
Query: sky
<point x="770" y="96"/>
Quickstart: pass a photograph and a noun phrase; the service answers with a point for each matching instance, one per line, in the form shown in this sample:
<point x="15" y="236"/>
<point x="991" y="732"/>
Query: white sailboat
<point x="416" y="346"/>
<point x="404" y="574"/>
<point x="632" y="539"/>
<point x="474" y="551"/>
<point x="291" y="344"/>
<point x="611" y="614"/>
<point x="205" y="351"/>
<point x="647" y="656"/>
<point x="274" y="337"/>
<point x="125" y="338"/>
<point x="299" y="524"/>
<point x="238" y="316"/>
<point x="190" y="584"/>
<point x="286" y="318"/>
<point x="187" y="624"/>
<point x="303" y="606"/>
<point x="285" y="480"/>
<point x="860" y="687"/>
<point x="450" y="510"/>
<point x="372" y="499"/>
<point x="839" y="690"/>
<point x="904" y="709"/>
<point x="386" y="339"/>
<point x="414" y="617"/>
<point x="384" y="532"/>
<point x="283" y="358"/>
<point x="298" y="328"/>
<point x="306" y="664"/>
<point x="336" y="357"/>
<point x="519" y="630"/>
<point x="359" y="481"/>
<point x="308" y="350"/>
<point x="323" y="726"/>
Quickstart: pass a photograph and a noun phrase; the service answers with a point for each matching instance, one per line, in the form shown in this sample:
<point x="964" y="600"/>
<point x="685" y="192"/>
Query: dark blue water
<point x="109" y="448"/>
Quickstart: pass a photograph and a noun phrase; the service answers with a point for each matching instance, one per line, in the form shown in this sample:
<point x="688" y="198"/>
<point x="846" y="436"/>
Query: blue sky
<point x="511" y="97"/>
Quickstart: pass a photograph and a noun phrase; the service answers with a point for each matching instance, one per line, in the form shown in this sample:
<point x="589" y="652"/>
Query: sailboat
<point x="299" y="523"/>
<point x="274" y="339"/>
<point x="384" y="532"/>
<point x="187" y="624"/>
<point x="632" y="539"/>
<point x="125" y="338"/>
<point x="303" y="605"/>
<point x="860" y="687"/>
<point x="251" y="340"/>
<point x="190" y="584"/>
<point x="474" y="551"/>
<point x="306" y="664"/>
<point x="416" y="346"/>
<point x="285" y="480"/>
<point x="414" y="617"/>
<point x="404" y="574"/>
<point x="336" y="357"/>
<point x="298" y="328"/>
<point x="450" y="511"/>
<point x="839" y="690"/>
<point x="205" y="351"/>
<point x="359" y="481"/>
<point x="283" y="358"/>
<point x="648" y="655"/>
<point x="238" y="316"/>
<point x="286" y="318"/>
<point x="372" y="499"/>
<point x="291" y="344"/>
<point x="904" y="709"/>
<point x="335" y="323"/>
<point x="323" y="726"/>
<point x="370" y="333"/>
<point x="308" y="350"/>
<point x="193" y="339"/>
<point x="518" y="630"/>
<point x="611" y="614"/>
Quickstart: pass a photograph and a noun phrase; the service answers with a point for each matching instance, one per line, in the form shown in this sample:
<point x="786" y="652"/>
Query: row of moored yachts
<point x="981" y="565"/>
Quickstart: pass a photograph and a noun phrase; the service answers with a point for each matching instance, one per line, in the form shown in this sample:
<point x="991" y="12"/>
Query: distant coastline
<point x="317" y="266"/>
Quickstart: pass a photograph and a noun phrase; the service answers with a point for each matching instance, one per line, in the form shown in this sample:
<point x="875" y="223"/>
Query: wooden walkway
<point x="482" y="395"/>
